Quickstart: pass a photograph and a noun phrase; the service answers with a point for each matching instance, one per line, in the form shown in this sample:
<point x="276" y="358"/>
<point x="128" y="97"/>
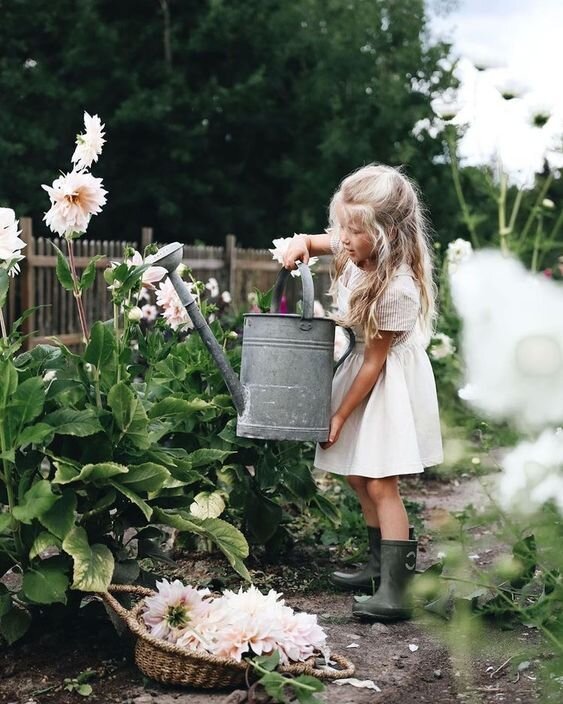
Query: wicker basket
<point x="171" y="664"/>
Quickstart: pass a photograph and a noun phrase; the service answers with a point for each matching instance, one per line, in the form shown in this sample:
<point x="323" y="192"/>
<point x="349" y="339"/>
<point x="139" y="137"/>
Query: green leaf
<point x="36" y="501"/>
<point x="230" y="541"/>
<point x="207" y="505"/>
<point x="27" y="402"/>
<point x="67" y="421"/>
<point x="178" y="407"/>
<point x="145" y="477"/>
<point x="85" y="690"/>
<point x="134" y="498"/>
<point x="46" y="584"/>
<point x="5" y="523"/>
<point x="327" y="508"/>
<point x="206" y="456"/>
<point x="268" y="662"/>
<point x="93" y="564"/>
<point x="101" y="346"/>
<point x="35" y="434"/>
<point x="64" y="274"/>
<point x="122" y="402"/>
<point x="100" y="472"/>
<point x="66" y="472"/>
<point x="4" y="286"/>
<point x="312" y="684"/>
<point x="8" y="382"/>
<point x="60" y="519"/>
<point x="14" y="624"/>
<point x="263" y="517"/>
<point x="43" y="541"/>
<point x="89" y="274"/>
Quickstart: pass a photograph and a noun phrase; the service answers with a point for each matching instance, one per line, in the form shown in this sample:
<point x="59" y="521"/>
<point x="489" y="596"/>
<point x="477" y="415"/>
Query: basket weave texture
<point x="171" y="664"/>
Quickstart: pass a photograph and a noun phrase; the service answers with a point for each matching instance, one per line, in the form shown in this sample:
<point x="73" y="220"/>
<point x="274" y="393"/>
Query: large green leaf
<point x="35" y="434"/>
<point x="27" y="402"/>
<point x="263" y="517"/>
<point x="93" y="564"/>
<point x="8" y="382"/>
<point x="100" y="472"/>
<point x="101" y="346"/>
<point x="122" y="402"/>
<point x="227" y="538"/>
<point x="45" y="584"/>
<point x="134" y="498"/>
<point x="43" y="542"/>
<point x="36" y="502"/>
<point x="178" y="407"/>
<point x="67" y="421"/>
<point x="207" y="505"/>
<point x="60" y="518"/>
<point x="145" y="477"/>
<point x="64" y="274"/>
<point x="206" y="456"/>
<point x="65" y="472"/>
<point x="14" y="624"/>
<point x="5" y="523"/>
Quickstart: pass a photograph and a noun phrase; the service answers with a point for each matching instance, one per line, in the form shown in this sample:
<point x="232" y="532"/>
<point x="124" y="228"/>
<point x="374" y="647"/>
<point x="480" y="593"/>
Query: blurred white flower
<point x="150" y="312"/>
<point x="252" y="298"/>
<point x="151" y="276"/>
<point x="50" y="375"/>
<point x="89" y="144"/>
<point x="458" y="251"/>
<point x="226" y="297"/>
<point x="173" y="311"/>
<point x="533" y="474"/>
<point x="10" y="243"/>
<point x="548" y="203"/>
<point x="318" y="310"/>
<point x="512" y="339"/>
<point x="213" y="287"/>
<point x="280" y="246"/>
<point x="442" y="346"/>
<point x="75" y="197"/>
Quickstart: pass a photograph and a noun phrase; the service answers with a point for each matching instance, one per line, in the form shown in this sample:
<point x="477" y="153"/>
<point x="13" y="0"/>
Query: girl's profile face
<point x="357" y="243"/>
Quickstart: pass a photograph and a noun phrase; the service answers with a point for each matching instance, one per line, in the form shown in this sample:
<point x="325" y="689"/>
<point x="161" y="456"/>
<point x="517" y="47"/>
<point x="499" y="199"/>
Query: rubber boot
<point x="391" y="601"/>
<point x="368" y="576"/>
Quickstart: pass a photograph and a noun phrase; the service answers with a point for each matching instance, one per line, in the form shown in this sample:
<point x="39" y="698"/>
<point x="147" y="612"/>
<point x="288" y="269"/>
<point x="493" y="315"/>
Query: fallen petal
<point x="361" y="684"/>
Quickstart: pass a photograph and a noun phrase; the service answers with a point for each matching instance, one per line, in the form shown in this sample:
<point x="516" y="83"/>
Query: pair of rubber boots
<point x="386" y="575"/>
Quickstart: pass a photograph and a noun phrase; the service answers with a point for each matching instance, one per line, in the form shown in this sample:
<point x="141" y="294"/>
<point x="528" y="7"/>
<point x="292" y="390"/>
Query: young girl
<point x="385" y="418"/>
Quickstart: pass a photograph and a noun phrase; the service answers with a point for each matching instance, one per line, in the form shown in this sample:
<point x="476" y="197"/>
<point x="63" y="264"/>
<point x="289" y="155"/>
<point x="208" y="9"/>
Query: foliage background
<point x="237" y="116"/>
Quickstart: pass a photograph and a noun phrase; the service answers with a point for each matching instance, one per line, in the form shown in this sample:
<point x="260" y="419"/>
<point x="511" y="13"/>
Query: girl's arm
<point x="302" y="247"/>
<point x="375" y="355"/>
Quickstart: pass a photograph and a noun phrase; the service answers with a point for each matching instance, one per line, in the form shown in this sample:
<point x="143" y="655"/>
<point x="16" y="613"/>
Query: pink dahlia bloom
<point x="75" y="197"/>
<point x="301" y="636"/>
<point x="174" y="608"/>
<point x="151" y="276"/>
<point x="174" y="312"/>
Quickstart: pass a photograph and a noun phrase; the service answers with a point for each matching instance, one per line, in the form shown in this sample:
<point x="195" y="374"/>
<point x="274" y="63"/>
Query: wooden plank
<point x="73" y="338"/>
<point x="81" y="262"/>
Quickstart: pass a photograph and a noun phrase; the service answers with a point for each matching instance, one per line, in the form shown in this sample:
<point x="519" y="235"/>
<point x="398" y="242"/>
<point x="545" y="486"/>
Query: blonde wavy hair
<point x="384" y="203"/>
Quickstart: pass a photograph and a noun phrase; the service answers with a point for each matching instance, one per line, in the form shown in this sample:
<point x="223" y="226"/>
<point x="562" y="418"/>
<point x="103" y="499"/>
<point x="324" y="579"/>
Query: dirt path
<point x="407" y="662"/>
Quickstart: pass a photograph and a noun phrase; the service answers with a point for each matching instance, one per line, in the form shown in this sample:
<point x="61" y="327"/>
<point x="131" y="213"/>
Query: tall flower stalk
<point x="75" y="197"/>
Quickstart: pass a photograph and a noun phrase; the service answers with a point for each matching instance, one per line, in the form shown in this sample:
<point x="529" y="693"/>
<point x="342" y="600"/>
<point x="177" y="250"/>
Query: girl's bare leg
<point x="369" y="509"/>
<point x="389" y="508"/>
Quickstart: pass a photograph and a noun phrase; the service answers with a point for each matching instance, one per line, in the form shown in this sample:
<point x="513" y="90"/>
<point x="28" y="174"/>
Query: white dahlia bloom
<point x="442" y="346"/>
<point x="278" y="252"/>
<point x="10" y="243"/>
<point x="89" y="144"/>
<point x="75" y="197"/>
<point x="458" y="251"/>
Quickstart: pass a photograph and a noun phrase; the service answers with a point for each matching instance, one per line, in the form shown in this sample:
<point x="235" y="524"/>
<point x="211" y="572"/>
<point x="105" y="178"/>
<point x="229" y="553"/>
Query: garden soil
<point x="406" y="662"/>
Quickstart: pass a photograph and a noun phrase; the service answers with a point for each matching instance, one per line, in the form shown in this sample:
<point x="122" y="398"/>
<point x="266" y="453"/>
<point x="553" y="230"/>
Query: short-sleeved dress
<point x="396" y="428"/>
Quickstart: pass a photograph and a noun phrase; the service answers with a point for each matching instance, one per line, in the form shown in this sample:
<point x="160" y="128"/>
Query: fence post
<point x="28" y="276"/>
<point x="147" y="234"/>
<point x="231" y="261"/>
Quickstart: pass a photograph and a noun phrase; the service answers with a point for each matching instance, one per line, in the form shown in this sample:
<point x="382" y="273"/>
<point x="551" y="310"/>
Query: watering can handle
<point x="307" y="286"/>
<point x="351" y="344"/>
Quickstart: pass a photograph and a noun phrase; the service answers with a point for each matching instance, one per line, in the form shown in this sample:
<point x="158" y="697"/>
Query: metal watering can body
<point x="284" y="392"/>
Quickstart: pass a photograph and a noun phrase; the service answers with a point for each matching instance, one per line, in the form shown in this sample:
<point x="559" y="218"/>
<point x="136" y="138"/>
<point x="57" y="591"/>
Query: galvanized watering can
<point x="287" y="363"/>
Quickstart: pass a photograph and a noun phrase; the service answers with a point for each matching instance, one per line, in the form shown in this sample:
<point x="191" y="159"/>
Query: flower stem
<point x="3" y="326"/>
<point x="117" y="340"/>
<point x="77" y="292"/>
<point x="537" y="240"/>
<point x="515" y="209"/>
<point x="502" y="230"/>
<point x="7" y="475"/>
<point x="459" y="192"/>
<point x="539" y="199"/>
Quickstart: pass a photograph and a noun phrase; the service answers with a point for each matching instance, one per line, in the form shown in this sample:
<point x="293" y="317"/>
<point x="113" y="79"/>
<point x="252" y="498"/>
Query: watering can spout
<point x="170" y="257"/>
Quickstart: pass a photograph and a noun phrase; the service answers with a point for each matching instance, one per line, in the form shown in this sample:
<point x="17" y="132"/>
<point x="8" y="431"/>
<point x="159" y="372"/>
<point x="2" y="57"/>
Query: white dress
<point x="396" y="428"/>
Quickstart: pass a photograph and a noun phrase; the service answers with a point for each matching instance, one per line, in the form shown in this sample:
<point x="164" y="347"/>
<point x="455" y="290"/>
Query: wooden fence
<point x="236" y="269"/>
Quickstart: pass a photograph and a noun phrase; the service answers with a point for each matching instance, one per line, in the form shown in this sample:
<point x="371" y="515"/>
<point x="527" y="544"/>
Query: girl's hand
<point x="336" y="423"/>
<point x="298" y="250"/>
